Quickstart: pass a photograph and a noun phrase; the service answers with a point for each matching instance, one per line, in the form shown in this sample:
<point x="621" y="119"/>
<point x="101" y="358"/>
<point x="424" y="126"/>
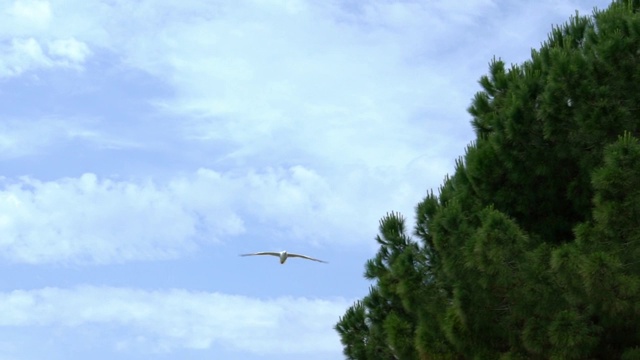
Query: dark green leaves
<point x="531" y="248"/>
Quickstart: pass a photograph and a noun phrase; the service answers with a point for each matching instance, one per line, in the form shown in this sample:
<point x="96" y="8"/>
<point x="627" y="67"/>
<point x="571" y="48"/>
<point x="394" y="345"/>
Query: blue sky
<point x="144" y="144"/>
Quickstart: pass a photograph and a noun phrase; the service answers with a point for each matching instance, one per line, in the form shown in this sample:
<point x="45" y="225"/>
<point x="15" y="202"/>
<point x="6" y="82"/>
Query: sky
<point x="145" y="144"/>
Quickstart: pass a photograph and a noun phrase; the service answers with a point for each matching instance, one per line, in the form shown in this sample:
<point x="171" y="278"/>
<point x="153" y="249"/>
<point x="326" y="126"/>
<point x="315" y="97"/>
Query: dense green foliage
<point x="531" y="249"/>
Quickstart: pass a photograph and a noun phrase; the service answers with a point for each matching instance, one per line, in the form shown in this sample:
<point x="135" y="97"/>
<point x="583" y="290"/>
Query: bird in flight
<point x="283" y="255"/>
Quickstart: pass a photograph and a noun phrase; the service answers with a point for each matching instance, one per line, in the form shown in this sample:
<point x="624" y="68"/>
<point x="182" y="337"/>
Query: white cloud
<point x="22" y="55"/>
<point x="29" y="42"/>
<point x="73" y="50"/>
<point x="86" y="220"/>
<point x="92" y="220"/>
<point x="303" y="101"/>
<point x="27" y="54"/>
<point x="37" y="13"/>
<point x="253" y="72"/>
<point x="169" y="320"/>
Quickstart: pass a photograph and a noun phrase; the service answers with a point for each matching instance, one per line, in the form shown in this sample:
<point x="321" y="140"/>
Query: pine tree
<point x="530" y="248"/>
<point x="605" y="276"/>
<point x="382" y="321"/>
<point x="354" y="332"/>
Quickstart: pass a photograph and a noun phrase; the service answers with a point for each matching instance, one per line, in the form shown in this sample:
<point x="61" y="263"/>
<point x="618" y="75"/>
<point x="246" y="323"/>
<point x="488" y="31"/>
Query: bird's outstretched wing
<point x="306" y="257"/>
<point x="262" y="253"/>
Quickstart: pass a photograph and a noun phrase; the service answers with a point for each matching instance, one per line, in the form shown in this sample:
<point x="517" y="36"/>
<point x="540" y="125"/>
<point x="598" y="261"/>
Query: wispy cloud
<point x="21" y="136"/>
<point x="253" y="73"/>
<point x="26" y="54"/>
<point x="167" y="320"/>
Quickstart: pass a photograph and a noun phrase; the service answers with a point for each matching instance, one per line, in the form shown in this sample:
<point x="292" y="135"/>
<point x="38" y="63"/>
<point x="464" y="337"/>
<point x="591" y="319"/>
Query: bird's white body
<point x="283" y="255"/>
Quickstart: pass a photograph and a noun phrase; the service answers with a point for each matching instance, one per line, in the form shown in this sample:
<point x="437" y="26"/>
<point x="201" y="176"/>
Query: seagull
<point x="283" y="255"/>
